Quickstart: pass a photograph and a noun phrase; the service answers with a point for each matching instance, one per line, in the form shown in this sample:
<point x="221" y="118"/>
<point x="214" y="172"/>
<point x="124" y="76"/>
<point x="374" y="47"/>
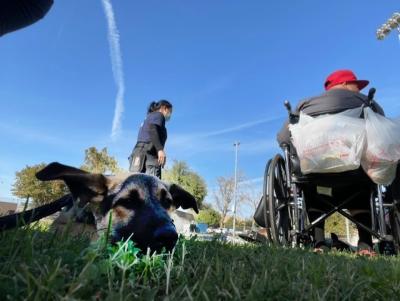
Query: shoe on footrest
<point x="364" y="249"/>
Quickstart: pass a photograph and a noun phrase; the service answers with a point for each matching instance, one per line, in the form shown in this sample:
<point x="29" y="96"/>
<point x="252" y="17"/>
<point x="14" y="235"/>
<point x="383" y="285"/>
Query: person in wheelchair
<point x="342" y="93"/>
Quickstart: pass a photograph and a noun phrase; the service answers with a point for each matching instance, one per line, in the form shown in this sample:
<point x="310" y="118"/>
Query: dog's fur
<point x="138" y="205"/>
<point x="336" y="243"/>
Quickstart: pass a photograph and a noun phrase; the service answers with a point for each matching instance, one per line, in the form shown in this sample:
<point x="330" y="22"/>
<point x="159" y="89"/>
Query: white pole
<point x="236" y="145"/>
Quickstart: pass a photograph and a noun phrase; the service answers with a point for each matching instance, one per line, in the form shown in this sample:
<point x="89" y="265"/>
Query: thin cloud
<point x="116" y="63"/>
<point x="185" y="147"/>
<point x="207" y="142"/>
<point x="21" y="133"/>
<point x="251" y="181"/>
<point x="213" y="87"/>
<point x="240" y="127"/>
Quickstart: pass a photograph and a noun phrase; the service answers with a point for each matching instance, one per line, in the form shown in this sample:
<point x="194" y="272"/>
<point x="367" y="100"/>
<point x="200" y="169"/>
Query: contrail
<point x="116" y="62"/>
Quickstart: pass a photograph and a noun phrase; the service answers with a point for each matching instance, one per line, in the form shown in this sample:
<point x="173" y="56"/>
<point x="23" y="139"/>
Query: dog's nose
<point x="166" y="237"/>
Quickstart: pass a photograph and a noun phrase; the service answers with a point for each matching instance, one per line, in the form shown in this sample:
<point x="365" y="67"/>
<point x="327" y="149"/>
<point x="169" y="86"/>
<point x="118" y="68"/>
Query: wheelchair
<point x="283" y="204"/>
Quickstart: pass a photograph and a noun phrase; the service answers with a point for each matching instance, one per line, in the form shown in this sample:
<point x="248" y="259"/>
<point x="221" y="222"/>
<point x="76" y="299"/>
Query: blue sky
<point x="227" y="66"/>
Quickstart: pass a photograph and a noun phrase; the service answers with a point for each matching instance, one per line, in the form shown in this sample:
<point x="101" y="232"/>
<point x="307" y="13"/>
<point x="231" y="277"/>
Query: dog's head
<point x="138" y="203"/>
<point x="338" y="244"/>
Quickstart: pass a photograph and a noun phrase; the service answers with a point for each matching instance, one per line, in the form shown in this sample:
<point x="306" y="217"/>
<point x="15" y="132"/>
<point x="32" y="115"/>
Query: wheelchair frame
<point x="285" y="210"/>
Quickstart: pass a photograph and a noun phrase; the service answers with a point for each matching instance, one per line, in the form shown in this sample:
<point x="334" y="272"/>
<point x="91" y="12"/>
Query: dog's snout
<point x="166" y="237"/>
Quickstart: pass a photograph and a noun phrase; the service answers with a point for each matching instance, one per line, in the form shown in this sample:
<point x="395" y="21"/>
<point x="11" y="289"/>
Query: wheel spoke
<point x="281" y="207"/>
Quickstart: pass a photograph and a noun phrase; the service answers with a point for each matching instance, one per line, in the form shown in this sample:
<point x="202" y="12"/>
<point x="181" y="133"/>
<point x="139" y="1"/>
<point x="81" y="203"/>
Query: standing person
<point x="148" y="155"/>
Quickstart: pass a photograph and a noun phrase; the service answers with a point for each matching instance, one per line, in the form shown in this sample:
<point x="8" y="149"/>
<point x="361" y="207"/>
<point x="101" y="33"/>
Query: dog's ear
<point x="86" y="186"/>
<point x="182" y="198"/>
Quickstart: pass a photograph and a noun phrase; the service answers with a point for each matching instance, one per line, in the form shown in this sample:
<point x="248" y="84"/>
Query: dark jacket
<point x="332" y="101"/>
<point x="153" y="131"/>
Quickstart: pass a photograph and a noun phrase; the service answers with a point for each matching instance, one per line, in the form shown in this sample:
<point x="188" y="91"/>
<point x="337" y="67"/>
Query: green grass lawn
<point x="38" y="265"/>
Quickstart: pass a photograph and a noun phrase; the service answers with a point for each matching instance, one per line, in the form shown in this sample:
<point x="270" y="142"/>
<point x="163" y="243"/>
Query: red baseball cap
<point x="344" y="76"/>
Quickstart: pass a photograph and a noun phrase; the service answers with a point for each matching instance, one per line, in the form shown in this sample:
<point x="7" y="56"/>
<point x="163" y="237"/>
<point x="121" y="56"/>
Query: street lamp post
<point x="236" y="145"/>
<point x="391" y="24"/>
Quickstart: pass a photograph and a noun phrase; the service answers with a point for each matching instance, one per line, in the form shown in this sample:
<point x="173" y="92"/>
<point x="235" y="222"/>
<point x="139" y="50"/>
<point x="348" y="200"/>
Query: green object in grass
<point x="124" y="251"/>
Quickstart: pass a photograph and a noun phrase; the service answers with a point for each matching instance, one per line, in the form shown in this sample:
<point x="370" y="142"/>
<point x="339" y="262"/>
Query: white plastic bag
<point x="382" y="151"/>
<point x="329" y="143"/>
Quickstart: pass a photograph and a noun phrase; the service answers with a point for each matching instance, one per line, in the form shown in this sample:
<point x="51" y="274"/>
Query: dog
<point x="336" y="243"/>
<point x="135" y="205"/>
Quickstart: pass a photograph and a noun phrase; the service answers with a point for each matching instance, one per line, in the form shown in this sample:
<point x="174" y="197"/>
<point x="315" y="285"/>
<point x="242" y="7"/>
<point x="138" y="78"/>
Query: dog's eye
<point x="165" y="198"/>
<point x="132" y="200"/>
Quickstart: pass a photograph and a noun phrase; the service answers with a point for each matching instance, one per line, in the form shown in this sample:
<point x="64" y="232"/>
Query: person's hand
<point x="162" y="158"/>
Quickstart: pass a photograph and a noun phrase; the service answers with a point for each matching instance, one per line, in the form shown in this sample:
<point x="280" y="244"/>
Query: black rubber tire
<point x="394" y="218"/>
<point x="265" y="200"/>
<point x="278" y="198"/>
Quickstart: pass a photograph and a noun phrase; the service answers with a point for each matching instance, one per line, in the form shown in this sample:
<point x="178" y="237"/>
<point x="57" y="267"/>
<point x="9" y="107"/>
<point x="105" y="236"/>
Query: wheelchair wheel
<point x="394" y="217"/>
<point x="265" y="201"/>
<point x="278" y="197"/>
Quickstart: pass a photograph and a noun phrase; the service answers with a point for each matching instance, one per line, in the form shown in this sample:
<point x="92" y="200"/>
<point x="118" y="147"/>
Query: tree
<point x="224" y="196"/>
<point x="99" y="161"/>
<point x="189" y="180"/>
<point x="26" y="185"/>
<point x="251" y="196"/>
<point x="209" y="216"/>
<point x="241" y="224"/>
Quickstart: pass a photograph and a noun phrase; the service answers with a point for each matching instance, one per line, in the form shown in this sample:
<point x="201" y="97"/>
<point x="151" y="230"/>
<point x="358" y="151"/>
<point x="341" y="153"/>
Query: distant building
<point x="7" y="208"/>
<point x="182" y="221"/>
<point x="10" y="205"/>
<point x="201" y="228"/>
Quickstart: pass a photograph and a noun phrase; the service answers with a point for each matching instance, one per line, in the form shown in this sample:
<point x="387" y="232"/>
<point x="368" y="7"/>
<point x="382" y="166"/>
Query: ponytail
<point x="152" y="107"/>
<point x="156" y="105"/>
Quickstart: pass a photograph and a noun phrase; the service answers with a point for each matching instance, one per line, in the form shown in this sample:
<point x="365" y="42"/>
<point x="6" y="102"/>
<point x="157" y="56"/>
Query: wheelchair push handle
<point x="293" y="118"/>
<point x="371" y="94"/>
<point x="288" y="106"/>
<point x="370" y="102"/>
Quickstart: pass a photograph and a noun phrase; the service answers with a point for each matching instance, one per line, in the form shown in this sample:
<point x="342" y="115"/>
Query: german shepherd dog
<point x="136" y="205"/>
